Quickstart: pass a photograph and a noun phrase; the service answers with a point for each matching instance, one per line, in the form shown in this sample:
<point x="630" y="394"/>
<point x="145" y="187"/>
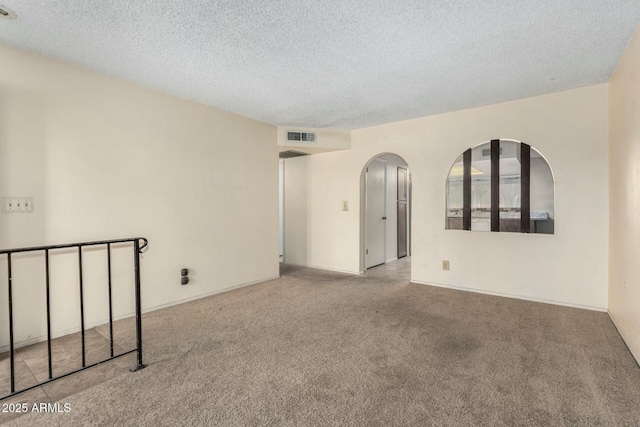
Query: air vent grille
<point x="291" y="153"/>
<point x="308" y="137"/>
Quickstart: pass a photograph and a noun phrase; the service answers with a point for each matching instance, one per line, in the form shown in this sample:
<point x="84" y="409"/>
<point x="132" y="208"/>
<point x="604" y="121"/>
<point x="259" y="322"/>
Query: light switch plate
<point x="17" y="204"/>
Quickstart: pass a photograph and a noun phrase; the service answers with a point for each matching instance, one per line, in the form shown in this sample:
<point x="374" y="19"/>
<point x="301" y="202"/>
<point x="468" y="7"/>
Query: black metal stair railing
<point x="137" y="250"/>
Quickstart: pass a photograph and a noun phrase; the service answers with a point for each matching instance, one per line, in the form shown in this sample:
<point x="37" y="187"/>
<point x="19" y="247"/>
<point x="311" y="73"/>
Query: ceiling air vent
<point x="307" y="137"/>
<point x="291" y="153"/>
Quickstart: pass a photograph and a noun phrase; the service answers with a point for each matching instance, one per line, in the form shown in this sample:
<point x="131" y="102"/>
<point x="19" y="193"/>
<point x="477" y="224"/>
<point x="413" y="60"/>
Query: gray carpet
<point x="315" y="348"/>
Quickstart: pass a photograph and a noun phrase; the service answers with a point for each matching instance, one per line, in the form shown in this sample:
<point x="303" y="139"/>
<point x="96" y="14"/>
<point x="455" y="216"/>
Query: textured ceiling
<point x="334" y="63"/>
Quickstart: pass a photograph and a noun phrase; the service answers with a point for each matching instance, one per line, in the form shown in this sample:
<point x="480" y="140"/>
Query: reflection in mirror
<point x="542" y="197"/>
<point x="455" y="196"/>
<point x="481" y="188"/>
<point x="510" y="185"/>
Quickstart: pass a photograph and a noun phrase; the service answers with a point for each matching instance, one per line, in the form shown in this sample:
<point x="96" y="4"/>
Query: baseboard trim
<point x="207" y="294"/>
<point x="624" y="338"/>
<point x="514" y="296"/>
<point x="335" y="270"/>
<point x="92" y="325"/>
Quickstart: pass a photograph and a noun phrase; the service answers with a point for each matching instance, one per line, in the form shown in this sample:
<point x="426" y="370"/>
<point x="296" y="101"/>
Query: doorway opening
<point x="385" y="211"/>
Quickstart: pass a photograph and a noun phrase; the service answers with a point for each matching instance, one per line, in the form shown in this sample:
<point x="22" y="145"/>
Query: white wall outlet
<point x="445" y="265"/>
<point x="17" y="204"/>
<point x="345" y="205"/>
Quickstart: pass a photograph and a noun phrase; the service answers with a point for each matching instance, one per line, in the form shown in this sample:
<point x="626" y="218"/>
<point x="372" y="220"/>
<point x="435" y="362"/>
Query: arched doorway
<point x="385" y="210"/>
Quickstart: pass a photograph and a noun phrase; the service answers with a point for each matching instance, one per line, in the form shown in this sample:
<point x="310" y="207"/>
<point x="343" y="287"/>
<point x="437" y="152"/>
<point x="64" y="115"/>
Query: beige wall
<point x="318" y="233"/>
<point x="108" y="159"/>
<point x="570" y="267"/>
<point x="624" y="188"/>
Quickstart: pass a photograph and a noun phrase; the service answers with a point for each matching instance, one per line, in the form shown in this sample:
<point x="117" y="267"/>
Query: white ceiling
<point x="334" y="63"/>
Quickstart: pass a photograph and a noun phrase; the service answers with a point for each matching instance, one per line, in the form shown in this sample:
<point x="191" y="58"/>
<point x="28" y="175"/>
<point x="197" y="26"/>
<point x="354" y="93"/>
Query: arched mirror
<point x="501" y="185"/>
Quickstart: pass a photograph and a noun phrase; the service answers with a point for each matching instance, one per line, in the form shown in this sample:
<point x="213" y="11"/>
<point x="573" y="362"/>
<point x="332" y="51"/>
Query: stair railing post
<point x="136" y="258"/>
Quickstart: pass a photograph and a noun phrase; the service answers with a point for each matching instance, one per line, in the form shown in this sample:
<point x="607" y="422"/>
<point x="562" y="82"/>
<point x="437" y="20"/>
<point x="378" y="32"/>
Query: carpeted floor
<point x="316" y="348"/>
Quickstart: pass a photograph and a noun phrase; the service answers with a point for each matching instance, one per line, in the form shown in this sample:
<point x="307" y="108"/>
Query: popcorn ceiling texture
<point x="334" y="63"/>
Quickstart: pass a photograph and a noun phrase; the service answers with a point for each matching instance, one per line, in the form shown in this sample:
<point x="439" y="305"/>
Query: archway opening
<point x="385" y="213"/>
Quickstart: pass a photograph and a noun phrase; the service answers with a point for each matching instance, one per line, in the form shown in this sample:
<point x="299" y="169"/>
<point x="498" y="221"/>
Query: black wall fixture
<point x="185" y="276"/>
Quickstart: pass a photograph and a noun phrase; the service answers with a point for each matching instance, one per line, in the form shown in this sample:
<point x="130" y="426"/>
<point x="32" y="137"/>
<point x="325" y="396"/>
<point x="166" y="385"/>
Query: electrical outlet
<point x="445" y="265"/>
<point x="345" y="205"/>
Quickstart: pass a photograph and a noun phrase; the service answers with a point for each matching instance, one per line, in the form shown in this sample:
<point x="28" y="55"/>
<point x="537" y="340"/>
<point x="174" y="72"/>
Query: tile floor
<point x="398" y="269"/>
<point x="31" y="367"/>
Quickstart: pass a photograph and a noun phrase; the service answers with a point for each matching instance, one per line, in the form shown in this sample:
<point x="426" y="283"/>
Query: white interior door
<point x="376" y="215"/>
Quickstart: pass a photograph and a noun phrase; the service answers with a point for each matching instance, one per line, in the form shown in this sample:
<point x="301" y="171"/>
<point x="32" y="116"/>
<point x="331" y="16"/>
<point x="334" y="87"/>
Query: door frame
<point x="366" y="216"/>
<point x="363" y="208"/>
